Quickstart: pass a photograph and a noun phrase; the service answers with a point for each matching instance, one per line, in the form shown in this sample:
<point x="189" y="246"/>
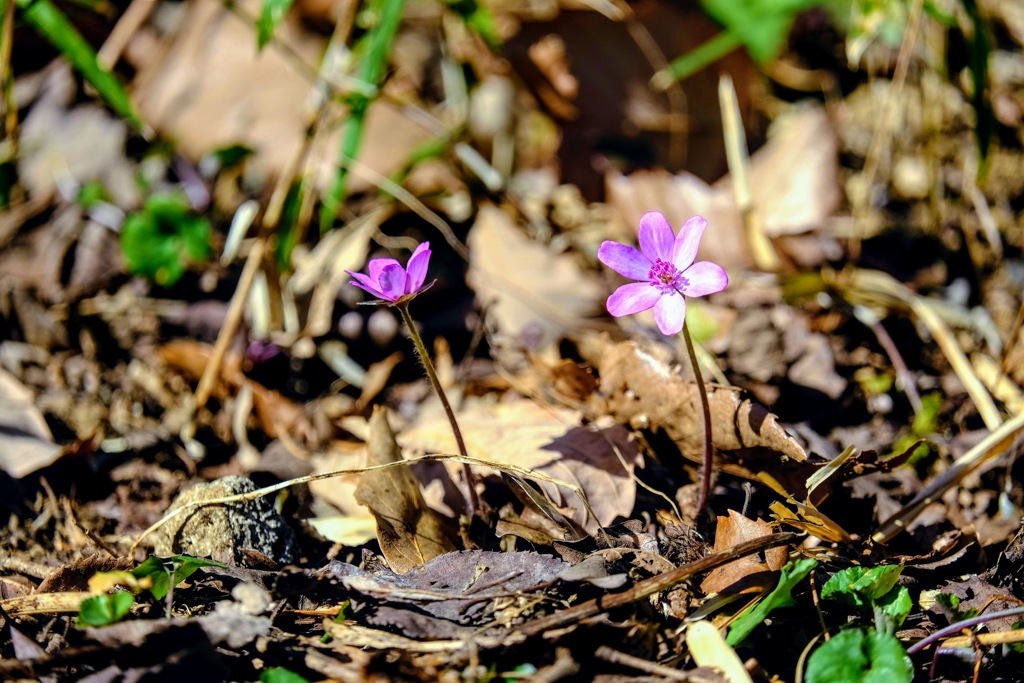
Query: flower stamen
<point x="665" y="276"/>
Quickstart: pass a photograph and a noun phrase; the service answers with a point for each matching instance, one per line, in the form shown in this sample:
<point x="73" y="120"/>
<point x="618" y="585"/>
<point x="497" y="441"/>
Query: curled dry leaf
<point x="410" y="533"/>
<point x="641" y="390"/>
<point x="749" y="573"/>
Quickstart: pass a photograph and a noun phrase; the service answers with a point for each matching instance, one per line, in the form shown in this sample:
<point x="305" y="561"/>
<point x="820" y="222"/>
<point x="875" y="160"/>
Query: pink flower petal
<point x="364" y="282"/>
<point x="416" y="270"/>
<point x="705" y="278"/>
<point x="392" y="281"/>
<point x="377" y="265"/>
<point x="632" y="298"/>
<point x="656" y="236"/>
<point x="684" y="251"/>
<point x="670" y="313"/>
<point x="624" y="260"/>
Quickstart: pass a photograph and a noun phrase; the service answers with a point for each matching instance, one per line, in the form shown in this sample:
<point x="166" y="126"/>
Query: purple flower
<point x="389" y="281"/>
<point x="664" y="270"/>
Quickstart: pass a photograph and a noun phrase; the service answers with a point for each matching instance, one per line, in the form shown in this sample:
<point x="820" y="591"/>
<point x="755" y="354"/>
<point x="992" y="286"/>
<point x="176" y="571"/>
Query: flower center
<point x="666" y="277"/>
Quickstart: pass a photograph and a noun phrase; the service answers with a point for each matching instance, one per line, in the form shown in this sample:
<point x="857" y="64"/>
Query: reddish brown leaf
<point x="747" y="574"/>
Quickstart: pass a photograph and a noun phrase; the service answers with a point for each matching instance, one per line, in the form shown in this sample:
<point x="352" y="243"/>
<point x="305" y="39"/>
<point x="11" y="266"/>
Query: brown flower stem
<point x="707" y="462"/>
<point x="472" y="502"/>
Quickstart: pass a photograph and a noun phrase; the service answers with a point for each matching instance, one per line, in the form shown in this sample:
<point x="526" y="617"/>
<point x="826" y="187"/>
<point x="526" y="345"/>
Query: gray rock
<point x="224" y="532"/>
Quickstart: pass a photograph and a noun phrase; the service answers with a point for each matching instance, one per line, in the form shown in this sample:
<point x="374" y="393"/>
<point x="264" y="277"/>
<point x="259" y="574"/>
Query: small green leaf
<point x="854" y="656"/>
<point x="896" y="604"/>
<point x="159" y="571"/>
<point x="164" y="238"/>
<point x="952" y="603"/>
<point x="859" y="586"/>
<point x="281" y="675"/>
<point x="792" y="574"/>
<point x="271" y="15"/>
<point x="186" y="565"/>
<point x="102" y="610"/>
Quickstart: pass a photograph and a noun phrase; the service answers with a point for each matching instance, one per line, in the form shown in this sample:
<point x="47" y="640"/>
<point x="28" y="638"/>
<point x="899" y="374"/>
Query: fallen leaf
<point x="747" y="574"/>
<point x="61" y="147"/>
<point x="641" y="390"/>
<point x="410" y="533"/>
<point x="450" y="592"/>
<point x="533" y="293"/>
<point x="209" y="87"/>
<point x="26" y="444"/>
<point x="550" y="440"/>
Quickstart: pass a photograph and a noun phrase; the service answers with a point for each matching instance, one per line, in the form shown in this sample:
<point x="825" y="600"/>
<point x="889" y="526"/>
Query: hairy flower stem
<point x="472" y="502"/>
<point x="707" y="462"/>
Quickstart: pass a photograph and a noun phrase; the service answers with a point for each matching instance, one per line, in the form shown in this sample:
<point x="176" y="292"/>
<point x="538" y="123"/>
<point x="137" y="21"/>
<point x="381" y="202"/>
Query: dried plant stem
<point x="707" y="461"/>
<point x="655" y="584"/>
<point x="472" y="503"/>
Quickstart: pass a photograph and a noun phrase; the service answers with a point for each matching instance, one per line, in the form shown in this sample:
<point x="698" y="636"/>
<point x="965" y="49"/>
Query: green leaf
<point x="860" y="586"/>
<point x="161" y="570"/>
<point x="478" y="18"/>
<point x="896" y="605"/>
<point x="101" y="610"/>
<point x="186" y="565"/>
<point x="952" y="603"/>
<point x="854" y="656"/>
<point x="762" y="25"/>
<point x="388" y="14"/>
<point x="281" y="675"/>
<point x="792" y="574"/>
<point x="51" y="24"/>
<point x="154" y="568"/>
<point x="271" y="15"/>
<point x="164" y="238"/>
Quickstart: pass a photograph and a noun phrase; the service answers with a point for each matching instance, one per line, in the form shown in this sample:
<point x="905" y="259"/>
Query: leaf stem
<point x="707" y="462"/>
<point x="472" y="502"/>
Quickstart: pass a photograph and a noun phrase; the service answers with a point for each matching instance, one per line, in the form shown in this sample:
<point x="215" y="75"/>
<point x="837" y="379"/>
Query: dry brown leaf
<point x="748" y="574"/>
<point x="643" y="391"/>
<point x="410" y="533"/>
<point x="533" y="293"/>
<point x="794" y="179"/>
<point x="26" y="444"/>
<point x="61" y="147"/>
<point x="549" y="440"/>
<point x="209" y="87"/>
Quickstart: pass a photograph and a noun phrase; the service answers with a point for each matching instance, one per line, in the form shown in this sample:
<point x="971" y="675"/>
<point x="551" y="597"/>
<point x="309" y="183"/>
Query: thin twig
<point x="621" y="658"/>
<point x="655" y="584"/>
<point x="231" y="322"/>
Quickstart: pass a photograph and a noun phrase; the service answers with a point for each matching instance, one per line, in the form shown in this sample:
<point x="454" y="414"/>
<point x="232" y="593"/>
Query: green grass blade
<point x="271" y="15"/>
<point x="696" y="59"/>
<point x="51" y="23"/>
<point x="371" y="70"/>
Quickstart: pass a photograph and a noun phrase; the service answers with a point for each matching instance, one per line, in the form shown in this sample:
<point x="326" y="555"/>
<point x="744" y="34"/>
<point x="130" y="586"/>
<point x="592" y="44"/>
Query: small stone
<point x="224" y="532"/>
